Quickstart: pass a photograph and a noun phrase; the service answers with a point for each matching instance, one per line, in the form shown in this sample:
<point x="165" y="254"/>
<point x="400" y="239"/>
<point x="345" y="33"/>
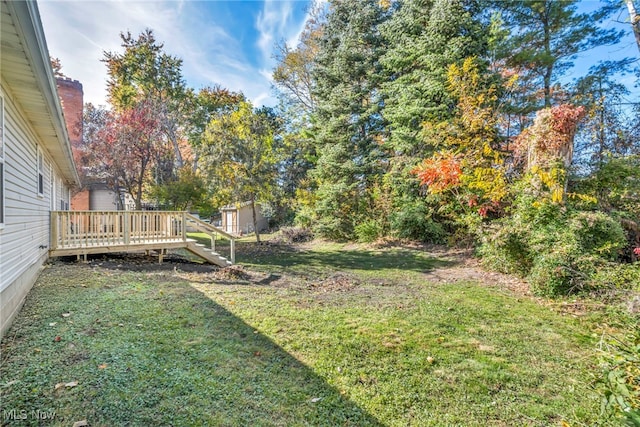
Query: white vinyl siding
<point x="25" y="237"/>
<point x="1" y="162"/>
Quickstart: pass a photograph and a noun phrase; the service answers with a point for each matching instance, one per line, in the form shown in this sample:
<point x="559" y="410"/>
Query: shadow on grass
<point x="314" y="261"/>
<point x="157" y="354"/>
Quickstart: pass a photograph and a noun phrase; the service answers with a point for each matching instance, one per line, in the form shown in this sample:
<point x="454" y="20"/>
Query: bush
<point x="598" y="234"/>
<point x="561" y="273"/>
<point x="506" y="250"/>
<point x="556" y="249"/>
<point x="413" y="221"/>
<point x="368" y="231"/>
<point x="305" y="217"/>
<point x="616" y="276"/>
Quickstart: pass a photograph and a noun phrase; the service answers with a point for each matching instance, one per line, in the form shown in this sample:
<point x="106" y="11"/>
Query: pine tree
<point x="546" y="35"/>
<point x="350" y="126"/>
<point x="426" y="37"/>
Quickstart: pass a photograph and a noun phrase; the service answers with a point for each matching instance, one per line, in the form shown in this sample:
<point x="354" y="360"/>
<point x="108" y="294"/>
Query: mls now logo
<point x="15" y="414"/>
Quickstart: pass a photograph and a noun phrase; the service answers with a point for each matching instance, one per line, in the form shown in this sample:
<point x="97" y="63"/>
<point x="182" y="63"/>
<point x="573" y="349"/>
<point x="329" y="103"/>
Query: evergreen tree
<point x="350" y="126"/>
<point x="546" y="35"/>
<point x="425" y="38"/>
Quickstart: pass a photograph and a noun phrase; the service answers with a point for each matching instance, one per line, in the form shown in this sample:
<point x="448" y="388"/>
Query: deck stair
<point x="89" y="232"/>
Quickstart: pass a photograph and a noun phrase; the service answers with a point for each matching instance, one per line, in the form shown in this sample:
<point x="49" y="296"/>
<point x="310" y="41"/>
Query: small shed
<point x="238" y="219"/>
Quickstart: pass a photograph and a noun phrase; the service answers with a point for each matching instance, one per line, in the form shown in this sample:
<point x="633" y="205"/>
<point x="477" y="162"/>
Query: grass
<point x="326" y="334"/>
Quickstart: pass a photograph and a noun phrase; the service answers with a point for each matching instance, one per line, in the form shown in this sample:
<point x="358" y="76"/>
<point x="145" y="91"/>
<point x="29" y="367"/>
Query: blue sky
<point x="230" y="43"/>
<point x="226" y="42"/>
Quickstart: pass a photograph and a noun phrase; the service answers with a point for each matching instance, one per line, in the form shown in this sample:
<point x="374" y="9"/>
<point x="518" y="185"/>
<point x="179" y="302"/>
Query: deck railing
<point x="73" y="229"/>
<point x="82" y="232"/>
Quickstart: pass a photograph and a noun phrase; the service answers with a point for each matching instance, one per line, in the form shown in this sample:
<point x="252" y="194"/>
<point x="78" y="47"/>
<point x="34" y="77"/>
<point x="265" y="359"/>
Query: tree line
<point x="444" y="121"/>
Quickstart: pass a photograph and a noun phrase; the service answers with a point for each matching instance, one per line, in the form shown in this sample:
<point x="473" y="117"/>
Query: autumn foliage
<point x="550" y="138"/>
<point x="127" y="147"/>
<point x="467" y="165"/>
<point x="440" y="173"/>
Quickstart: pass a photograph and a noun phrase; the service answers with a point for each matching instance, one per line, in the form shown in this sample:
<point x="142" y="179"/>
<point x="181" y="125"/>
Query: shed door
<point x="229" y="222"/>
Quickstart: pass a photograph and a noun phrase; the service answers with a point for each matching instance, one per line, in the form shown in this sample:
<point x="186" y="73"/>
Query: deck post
<point x="126" y="229"/>
<point x="54" y="230"/>
<point x="233" y="250"/>
<point x="184" y="226"/>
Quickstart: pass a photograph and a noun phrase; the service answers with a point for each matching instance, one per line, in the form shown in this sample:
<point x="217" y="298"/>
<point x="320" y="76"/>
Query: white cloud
<point x="79" y="32"/>
<point x="272" y="23"/>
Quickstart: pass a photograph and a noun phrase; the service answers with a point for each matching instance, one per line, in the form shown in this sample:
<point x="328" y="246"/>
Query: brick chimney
<point x="72" y="100"/>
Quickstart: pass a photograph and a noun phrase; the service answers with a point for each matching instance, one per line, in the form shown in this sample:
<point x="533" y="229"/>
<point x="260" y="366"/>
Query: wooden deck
<point x="90" y="232"/>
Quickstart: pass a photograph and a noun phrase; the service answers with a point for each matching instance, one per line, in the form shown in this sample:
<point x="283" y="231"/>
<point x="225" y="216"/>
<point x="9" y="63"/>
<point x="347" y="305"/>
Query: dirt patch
<point x="140" y="262"/>
<point x="336" y="282"/>
<point x="469" y="269"/>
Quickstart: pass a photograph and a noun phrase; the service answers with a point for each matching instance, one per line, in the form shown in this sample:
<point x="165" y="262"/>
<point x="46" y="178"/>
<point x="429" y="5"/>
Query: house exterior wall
<point x="24" y="238"/>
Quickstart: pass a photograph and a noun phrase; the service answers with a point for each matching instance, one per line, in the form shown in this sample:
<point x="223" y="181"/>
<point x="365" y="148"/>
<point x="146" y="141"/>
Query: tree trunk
<point x="634" y="18"/>
<point x="255" y="218"/>
<point x="548" y="72"/>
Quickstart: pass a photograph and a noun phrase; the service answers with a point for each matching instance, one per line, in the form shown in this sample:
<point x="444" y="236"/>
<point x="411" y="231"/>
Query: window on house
<point x="1" y="161"/>
<point x="40" y="173"/>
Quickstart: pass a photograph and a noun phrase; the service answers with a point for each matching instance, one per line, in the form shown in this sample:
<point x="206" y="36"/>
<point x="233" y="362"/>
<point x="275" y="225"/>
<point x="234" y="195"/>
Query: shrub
<point x="561" y="273"/>
<point x="368" y="231"/>
<point x="616" y="276"/>
<point x="413" y="221"/>
<point x="598" y="234"/>
<point x="305" y="217"/>
<point x="556" y="249"/>
<point x="506" y="250"/>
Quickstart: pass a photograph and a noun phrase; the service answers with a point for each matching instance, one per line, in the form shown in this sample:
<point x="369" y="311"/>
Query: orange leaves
<point x="467" y="162"/>
<point x="550" y="138"/>
<point x="441" y="172"/>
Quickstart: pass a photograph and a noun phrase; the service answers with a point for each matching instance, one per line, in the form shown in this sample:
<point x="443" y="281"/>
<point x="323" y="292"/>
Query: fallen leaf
<point x="316" y="399"/>
<point x="81" y="423"/>
<point x="37" y="350"/>
<point x="257" y="354"/>
<point x="66" y="314"/>
<point x="59" y="385"/>
<point x="71" y="384"/>
<point x="57" y="338"/>
<point x="102" y="366"/>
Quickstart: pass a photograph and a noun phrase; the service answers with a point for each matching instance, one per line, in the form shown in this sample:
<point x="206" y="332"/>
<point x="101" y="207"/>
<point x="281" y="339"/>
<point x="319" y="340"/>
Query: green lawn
<point x="320" y="335"/>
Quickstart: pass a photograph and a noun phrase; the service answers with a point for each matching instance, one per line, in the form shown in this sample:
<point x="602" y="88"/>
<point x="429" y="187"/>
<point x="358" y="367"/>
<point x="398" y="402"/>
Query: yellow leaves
<point x="583" y="197"/>
<point x="468" y="138"/>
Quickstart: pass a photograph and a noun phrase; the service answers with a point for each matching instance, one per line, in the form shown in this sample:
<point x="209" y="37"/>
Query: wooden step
<point x="208" y="255"/>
